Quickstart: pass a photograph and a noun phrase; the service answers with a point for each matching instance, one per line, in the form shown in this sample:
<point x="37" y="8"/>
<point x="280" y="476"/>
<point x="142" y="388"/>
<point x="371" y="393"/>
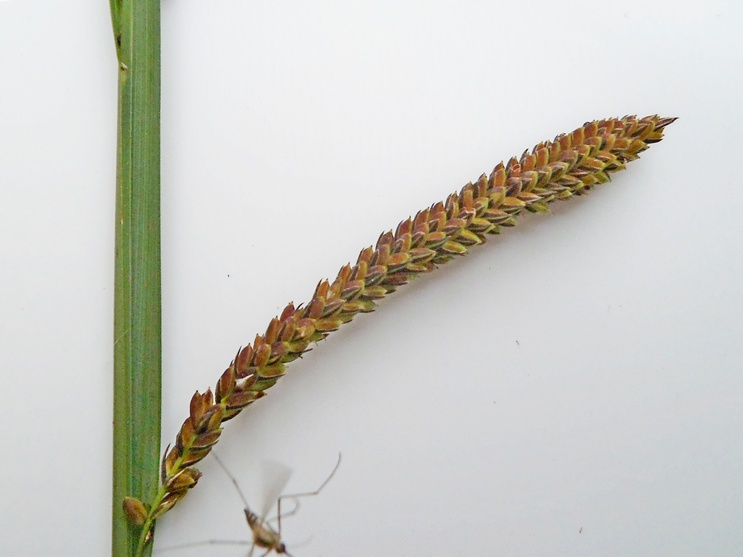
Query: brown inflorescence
<point x="570" y="165"/>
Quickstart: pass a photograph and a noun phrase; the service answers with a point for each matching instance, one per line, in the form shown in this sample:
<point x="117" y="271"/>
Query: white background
<point x="575" y="387"/>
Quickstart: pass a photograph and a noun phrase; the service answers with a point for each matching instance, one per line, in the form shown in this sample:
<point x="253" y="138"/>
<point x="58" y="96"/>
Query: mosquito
<point x="264" y="535"/>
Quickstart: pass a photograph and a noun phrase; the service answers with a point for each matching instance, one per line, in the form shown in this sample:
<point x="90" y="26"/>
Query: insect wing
<point x="275" y="477"/>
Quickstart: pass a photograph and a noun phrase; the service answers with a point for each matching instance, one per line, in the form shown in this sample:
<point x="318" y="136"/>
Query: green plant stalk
<point x="137" y="303"/>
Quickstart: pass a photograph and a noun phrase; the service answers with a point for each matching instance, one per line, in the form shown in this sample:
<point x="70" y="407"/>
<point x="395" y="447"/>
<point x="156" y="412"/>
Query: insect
<point x="264" y="535"/>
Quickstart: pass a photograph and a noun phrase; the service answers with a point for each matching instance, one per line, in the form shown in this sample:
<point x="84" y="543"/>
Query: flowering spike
<point x="570" y="165"/>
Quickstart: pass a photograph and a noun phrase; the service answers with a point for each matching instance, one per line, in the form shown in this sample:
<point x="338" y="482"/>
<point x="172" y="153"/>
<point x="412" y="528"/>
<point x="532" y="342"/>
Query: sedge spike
<point x="570" y="165"/>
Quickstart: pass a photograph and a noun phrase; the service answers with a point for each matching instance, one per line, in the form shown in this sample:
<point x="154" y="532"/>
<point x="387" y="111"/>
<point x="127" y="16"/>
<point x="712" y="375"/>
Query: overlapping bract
<point x="570" y="165"/>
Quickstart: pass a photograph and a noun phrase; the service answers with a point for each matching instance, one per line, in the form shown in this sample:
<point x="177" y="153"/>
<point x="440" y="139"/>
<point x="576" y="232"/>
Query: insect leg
<point x="296" y="496"/>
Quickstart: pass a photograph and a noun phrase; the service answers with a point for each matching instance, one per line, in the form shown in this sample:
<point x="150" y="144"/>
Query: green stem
<point x="137" y="305"/>
<point x="148" y="526"/>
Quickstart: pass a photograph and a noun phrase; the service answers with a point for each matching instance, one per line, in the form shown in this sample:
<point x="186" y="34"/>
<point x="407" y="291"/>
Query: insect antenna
<point x="232" y="479"/>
